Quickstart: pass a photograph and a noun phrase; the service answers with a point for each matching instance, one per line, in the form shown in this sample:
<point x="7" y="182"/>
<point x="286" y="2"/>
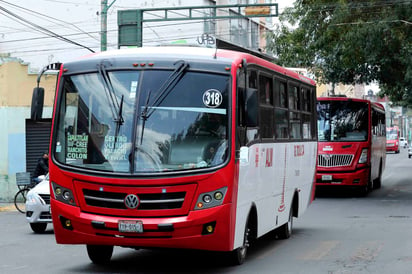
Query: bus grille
<point x="334" y="160"/>
<point x="148" y="201"/>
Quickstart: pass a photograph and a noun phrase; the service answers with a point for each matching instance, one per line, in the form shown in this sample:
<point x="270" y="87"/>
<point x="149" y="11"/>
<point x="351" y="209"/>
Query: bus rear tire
<point x="100" y="254"/>
<point x="285" y="231"/>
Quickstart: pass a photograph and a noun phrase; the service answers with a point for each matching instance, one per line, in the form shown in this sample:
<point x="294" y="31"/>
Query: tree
<point x="350" y="41"/>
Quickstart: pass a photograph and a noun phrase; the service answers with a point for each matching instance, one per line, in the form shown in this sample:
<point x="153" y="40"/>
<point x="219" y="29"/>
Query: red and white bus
<point x="351" y="143"/>
<point x="392" y="139"/>
<point x="179" y="147"/>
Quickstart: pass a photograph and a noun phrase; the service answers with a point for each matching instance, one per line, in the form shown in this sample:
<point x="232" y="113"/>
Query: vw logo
<point x="131" y="201"/>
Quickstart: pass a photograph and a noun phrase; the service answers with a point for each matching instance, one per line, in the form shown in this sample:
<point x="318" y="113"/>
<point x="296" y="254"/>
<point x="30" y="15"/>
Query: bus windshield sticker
<point x="77" y="146"/>
<point x="133" y="88"/>
<point x="212" y="98"/>
<point x="115" y="148"/>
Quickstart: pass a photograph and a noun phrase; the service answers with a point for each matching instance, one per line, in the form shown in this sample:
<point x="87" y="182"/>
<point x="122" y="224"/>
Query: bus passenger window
<point x="266" y="122"/>
<point x="252" y="79"/>
<point x="294" y="100"/>
<point x="306" y="127"/>
<point x="265" y="90"/>
<point x="281" y="124"/>
<point x="306" y="100"/>
<point x="280" y="94"/>
<point x="295" y="129"/>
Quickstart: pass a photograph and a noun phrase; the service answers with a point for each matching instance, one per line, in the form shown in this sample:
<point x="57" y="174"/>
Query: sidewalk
<point x="7" y="207"/>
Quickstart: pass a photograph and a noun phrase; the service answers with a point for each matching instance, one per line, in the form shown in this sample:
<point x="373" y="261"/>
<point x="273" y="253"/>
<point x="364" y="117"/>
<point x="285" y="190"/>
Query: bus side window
<point x="374" y="122"/>
<point x="281" y="126"/>
<point x="295" y="128"/>
<point x="266" y="122"/>
<point x="294" y="97"/>
<point x="252" y="79"/>
<point x="281" y="110"/>
<point x="252" y="133"/>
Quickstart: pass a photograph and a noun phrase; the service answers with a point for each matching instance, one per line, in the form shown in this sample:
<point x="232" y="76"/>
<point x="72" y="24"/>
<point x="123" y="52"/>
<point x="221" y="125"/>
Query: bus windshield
<point x="342" y="121"/>
<point x="392" y="134"/>
<point x="142" y="121"/>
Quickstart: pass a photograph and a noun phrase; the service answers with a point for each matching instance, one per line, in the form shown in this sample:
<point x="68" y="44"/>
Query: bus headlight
<point x="363" y="157"/>
<point x="63" y="194"/>
<point x="211" y="199"/>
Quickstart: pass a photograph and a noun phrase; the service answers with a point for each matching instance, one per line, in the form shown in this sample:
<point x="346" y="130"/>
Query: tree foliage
<point x="350" y="41"/>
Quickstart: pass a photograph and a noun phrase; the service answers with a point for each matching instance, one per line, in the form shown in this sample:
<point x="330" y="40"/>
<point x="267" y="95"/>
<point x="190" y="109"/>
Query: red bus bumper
<point x="355" y="178"/>
<point x="392" y="148"/>
<point x="169" y="232"/>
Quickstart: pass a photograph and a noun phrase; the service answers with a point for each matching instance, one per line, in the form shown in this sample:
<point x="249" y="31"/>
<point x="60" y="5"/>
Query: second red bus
<point x="352" y="141"/>
<point x="392" y="139"/>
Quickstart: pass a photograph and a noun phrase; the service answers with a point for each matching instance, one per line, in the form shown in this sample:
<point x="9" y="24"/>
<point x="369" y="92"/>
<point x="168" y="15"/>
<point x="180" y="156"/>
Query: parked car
<point x="38" y="206"/>
<point x="403" y="142"/>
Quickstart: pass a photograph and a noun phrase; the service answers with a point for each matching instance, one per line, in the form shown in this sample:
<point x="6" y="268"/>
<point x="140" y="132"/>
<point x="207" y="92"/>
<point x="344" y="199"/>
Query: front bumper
<point x="392" y="148"/>
<point x="168" y="232"/>
<point x="38" y="213"/>
<point x="358" y="177"/>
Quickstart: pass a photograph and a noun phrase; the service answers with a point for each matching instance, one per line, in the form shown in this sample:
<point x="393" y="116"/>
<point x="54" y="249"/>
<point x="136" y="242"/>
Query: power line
<point x="48" y="18"/>
<point x="165" y="25"/>
<point x="43" y="30"/>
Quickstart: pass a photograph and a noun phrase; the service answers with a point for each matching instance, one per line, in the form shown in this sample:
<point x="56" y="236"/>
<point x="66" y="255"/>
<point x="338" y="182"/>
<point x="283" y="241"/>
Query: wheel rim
<point x="290" y="222"/>
<point x="243" y="248"/>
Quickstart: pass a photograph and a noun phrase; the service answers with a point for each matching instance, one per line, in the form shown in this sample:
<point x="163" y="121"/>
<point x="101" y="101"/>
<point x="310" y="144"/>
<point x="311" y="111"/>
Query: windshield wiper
<point x="115" y="107"/>
<point x="144" y="115"/>
<point x="162" y="93"/>
<point x="165" y="89"/>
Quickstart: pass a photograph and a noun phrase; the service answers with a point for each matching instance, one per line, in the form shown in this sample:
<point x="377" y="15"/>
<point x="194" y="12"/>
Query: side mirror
<point x="251" y="106"/>
<point x="37" y="102"/>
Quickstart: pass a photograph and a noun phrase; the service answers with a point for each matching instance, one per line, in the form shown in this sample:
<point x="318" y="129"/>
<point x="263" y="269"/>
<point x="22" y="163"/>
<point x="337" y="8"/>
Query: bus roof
<point x="180" y="52"/>
<point x="343" y="98"/>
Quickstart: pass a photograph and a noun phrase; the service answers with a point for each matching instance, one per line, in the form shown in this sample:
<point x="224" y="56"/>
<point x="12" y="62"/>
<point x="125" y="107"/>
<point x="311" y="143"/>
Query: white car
<point x="38" y="206"/>
<point x="402" y="142"/>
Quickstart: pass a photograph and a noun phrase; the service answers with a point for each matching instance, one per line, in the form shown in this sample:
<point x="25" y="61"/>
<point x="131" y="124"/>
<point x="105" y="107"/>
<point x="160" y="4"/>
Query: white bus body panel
<point x="274" y="172"/>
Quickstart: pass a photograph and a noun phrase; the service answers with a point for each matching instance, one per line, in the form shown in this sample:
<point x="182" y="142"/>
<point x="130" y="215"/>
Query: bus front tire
<point x="377" y="183"/>
<point x="100" y="254"/>
<point x="238" y="256"/>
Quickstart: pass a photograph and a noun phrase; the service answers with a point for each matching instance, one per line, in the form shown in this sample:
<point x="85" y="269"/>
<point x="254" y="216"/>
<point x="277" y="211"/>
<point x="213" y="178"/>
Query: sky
<point x="77" y="20"/>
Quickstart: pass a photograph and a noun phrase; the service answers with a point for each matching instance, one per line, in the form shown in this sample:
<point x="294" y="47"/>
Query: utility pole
<point x="103" y="23"/>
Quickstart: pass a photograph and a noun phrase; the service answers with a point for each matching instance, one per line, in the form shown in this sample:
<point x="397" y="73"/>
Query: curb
<point x="5" y="207"/>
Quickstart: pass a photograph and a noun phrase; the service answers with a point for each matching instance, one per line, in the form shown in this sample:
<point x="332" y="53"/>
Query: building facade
<point x="16" y="86"/>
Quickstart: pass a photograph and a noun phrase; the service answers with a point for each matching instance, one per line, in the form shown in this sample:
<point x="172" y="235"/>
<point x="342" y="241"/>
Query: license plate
<point x="130" y="226"/>
<point x="326" y="177"/>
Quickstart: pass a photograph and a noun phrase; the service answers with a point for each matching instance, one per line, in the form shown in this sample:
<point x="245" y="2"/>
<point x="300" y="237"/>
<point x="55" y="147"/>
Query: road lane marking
<point x="321" y="251"/>
<point x="367" y="252"/>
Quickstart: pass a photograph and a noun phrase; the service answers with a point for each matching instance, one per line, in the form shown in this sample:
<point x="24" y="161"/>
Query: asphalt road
<point x="339" y="233"/>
